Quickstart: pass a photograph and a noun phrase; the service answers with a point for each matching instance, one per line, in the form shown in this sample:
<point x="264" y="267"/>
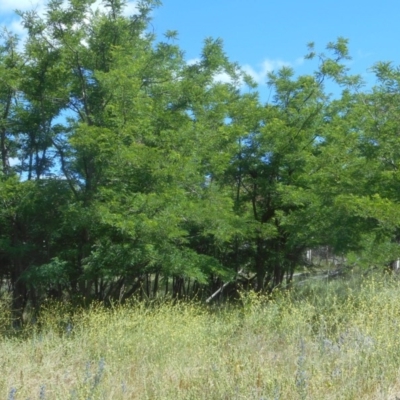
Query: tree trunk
<point x="260" y="266"/>
<point x="155" y="286"/>
<point x="19" y="295"/>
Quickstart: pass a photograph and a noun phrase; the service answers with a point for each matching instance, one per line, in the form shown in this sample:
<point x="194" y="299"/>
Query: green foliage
<point x="136" y="167"/>
<point x="47" y="275"/>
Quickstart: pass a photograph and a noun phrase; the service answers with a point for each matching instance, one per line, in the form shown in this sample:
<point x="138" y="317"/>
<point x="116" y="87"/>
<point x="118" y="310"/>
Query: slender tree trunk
<point x="19" y="292"/>
<point x="260" y="266"/>
<point x="155" y="286"/>
<point x="3" y="135"/>
<point x="166" y="285"/>
<point x="148" y="280"/>
<point x="188" y="287"/>
<point x="177" y="287"/>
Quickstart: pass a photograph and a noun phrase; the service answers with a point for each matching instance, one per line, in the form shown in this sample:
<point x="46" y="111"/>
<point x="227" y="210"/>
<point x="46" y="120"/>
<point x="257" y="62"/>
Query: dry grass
<point x="327" y="341"/>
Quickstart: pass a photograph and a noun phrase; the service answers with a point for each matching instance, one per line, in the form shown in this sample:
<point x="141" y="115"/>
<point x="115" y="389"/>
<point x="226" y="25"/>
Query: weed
<point x="325" y="341"/>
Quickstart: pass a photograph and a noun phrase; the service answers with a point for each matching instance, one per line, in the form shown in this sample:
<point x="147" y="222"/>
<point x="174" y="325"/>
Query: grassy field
<point x="337" y="340"/>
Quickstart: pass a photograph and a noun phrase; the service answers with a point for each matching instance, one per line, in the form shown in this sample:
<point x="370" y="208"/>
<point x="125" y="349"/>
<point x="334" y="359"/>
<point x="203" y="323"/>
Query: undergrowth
<point x="321" y="340"/>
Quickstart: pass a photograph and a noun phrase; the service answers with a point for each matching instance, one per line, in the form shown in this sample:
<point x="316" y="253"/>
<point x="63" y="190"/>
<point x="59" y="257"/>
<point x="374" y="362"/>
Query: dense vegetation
<point x="335" y="340"/>
<point x="126" y="170"/>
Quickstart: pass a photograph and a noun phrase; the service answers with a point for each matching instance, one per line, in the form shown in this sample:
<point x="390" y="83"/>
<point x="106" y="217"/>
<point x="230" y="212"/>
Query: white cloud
<point x="248" y="69"/>
<point x="131" y="9"/>
<point x="193" y="61"/>
<point x="223" y="77"/>
<point x="8" y="6"/>
<point x="14" y="25"/>
<point x="259" y="75"/>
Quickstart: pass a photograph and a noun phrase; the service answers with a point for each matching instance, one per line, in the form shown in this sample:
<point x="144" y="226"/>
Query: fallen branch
<point x="222" y="288"/>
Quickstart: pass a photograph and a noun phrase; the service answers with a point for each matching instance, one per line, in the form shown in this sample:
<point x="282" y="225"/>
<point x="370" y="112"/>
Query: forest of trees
<point x="126" y="170"/>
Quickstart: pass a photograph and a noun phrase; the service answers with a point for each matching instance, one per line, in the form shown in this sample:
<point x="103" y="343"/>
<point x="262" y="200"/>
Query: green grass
<point x="337" y="340"/>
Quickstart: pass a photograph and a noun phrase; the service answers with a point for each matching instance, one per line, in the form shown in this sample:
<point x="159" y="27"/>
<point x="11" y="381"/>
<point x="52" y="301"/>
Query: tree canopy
<point x="125" y="169"/>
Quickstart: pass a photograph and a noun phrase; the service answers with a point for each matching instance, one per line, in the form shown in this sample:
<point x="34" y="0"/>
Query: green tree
<point x="132" y="132"/>
<point x="377" y="201"/>
<point x="138" y="170"/>
<point x="274" y="171"/>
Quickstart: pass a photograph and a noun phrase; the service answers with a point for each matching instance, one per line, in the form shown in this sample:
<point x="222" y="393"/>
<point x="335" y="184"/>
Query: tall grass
<point x="337" y="340"/>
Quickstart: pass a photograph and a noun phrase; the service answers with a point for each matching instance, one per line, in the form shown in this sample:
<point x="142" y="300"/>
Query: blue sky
<point x="265" y="34"/>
